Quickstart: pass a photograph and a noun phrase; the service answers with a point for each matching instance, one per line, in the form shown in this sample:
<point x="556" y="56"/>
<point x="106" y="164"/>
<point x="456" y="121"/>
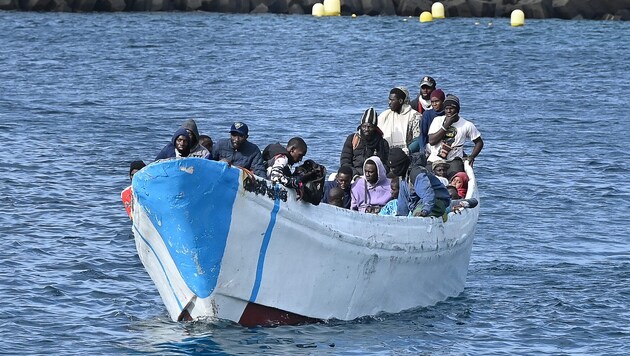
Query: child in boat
<point x="391" y="208"/>
<point x="336" y="196"/>
<point x="460" y="181"/>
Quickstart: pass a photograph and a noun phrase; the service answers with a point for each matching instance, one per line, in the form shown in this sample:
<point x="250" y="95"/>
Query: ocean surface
<point x="83" y="95"/>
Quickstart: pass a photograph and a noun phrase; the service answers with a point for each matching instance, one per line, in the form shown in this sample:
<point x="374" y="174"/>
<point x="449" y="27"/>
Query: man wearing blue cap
<point x="237" y="151"/>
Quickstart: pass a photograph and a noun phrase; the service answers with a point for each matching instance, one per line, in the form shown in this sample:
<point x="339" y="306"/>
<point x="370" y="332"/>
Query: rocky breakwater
<point x="536" y="9"/>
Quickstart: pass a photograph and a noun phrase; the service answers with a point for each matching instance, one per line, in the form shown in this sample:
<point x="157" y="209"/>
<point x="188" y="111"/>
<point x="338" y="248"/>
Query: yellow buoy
<point x="426" y="17"/>
<point x="318" y="10"/>
<point x="517" y="18"/>
<point x="332" y="7"/>
<point x="437" y="10"/>
<point x="354" y="16"/>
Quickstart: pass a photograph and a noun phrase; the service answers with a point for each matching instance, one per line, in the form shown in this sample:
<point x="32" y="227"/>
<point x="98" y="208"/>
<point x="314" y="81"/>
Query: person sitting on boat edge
<point x="238" y="151"/>
<point x="373" y="190"/>
<point x="448" y="134"/>
<point x="399" y="122"/>
<point x="279" y="161"/>
<point x="422" y="194"/>
<point x="343" y="180"/>
<point x="196" y="150"/>
<point x="366" y="142"/>
<point x="391" y="208"/>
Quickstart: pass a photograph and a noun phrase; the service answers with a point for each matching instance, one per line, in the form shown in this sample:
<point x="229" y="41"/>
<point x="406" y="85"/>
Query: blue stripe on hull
<point x="189" y="202"/>
<point x="263" y="250"/>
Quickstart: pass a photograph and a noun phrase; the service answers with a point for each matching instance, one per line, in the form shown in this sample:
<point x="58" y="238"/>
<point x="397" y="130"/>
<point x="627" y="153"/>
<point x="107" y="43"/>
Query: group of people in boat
<point x="406" y="161"/>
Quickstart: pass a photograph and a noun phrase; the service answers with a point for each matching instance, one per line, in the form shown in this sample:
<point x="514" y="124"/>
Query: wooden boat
<point x="220" y="243"/>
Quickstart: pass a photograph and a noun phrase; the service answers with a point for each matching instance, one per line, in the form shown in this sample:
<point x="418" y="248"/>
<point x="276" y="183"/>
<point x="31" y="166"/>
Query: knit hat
<point x="406" y="91"/>
<point x="370" y="116"/>
<point x="451" y="100"/>
<point x="398" y="161"/>
<point x="438" y="94"/>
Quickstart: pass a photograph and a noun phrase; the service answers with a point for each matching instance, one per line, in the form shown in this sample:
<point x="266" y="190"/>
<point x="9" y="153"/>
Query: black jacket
<point x="355" y="157"/>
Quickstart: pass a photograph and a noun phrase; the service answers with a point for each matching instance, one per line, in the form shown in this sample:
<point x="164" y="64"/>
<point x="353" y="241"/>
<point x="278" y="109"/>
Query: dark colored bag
<point x="312" y="176"/>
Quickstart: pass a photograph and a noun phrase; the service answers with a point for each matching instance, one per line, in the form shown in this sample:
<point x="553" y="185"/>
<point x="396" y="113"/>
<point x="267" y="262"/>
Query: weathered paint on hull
<point x="216" y="250"/>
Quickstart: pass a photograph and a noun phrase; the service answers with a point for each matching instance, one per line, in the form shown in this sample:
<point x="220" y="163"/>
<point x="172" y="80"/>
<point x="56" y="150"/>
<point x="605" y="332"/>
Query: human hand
<point x="471" y="160"/>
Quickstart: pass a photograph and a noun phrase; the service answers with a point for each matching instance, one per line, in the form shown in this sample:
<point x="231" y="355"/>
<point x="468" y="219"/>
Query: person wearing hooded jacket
<point x="399" y="123"/>
<point x="373" y="190"/>
<point x="366" y="142"/>
<point x="196" y="150"/>
<point x="422" y="194"/>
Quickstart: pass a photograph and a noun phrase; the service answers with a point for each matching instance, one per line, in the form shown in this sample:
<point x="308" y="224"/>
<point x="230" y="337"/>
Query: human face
<point x="371" y="173"/>
<point x="441" y="170"/>
<point x="133" y="172"/>
<point x="425" y="91"/>
<point x="237" y="140"/>
<point x="395" y="103"/>
<point x="457" y="182"/>
<point x="451" y="111"/>
<point x="181" y="143"/>
<point x="297" y="154"/>
<point x="344" y="180"/>
<point x="437" y="104"/>
<point x="368" y="129"/>
<point x="395" y="185"/>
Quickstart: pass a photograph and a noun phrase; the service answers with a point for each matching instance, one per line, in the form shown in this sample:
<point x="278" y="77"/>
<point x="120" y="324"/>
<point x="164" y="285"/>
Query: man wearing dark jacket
<point x="368" y="141"/>
<point x="237" y="151"/>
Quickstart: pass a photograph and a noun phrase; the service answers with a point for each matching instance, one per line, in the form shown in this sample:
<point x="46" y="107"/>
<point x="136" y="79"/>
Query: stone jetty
<point x="533" y="9"/>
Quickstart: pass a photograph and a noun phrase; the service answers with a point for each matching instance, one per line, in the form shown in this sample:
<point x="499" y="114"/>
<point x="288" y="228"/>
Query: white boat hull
<point x="216" y="250"/>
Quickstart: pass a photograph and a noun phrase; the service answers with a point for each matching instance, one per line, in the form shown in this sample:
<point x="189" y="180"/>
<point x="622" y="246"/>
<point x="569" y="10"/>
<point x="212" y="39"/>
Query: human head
<point x="297" y="149"/>
<point x="437" y="100"/>
<point x="335" y="196"/>
<point x="406" y="92"/>
<point x="395" y="184"/>
<point x="344" y="177"/>
<point x="191" y="126"/>
<point x="460" y="181"/>
<point x="427" y="85"/>
<point x="398" y="161"/>
<point x="181" y="141"/>
<point x="369" y="122"/>
<point x="452" y="191"/>
<point x="238" y="134"/>
<point x="396" y="99"/>
<point x="370" y="171"/>
<point x="206" y="142"/>
<point x="440" y="168"/>
<point x="134" y="167"/>
<point x="451" y="105"/>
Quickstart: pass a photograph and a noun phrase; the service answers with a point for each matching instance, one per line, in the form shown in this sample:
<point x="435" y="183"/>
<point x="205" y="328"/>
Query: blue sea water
<point x="82" y="95"/>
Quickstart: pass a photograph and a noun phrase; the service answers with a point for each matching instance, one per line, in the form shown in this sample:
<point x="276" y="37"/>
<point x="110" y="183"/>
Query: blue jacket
<point x="248" y="155"/>
<point x="427" y="188"/>
<point x="419" y="144"/>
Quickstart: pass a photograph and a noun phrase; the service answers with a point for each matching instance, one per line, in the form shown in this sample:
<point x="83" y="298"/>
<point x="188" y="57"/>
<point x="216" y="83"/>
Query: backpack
<point x="312" y="175"/>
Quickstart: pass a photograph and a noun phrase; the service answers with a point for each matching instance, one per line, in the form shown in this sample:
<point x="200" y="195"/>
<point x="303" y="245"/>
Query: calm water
<point x="82" y="95"/>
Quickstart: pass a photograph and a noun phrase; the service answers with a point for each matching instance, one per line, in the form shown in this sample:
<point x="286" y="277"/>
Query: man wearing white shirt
<point x="448" y="134"/>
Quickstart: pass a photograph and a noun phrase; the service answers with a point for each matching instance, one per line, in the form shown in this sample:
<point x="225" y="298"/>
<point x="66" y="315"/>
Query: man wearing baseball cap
<point x="237" y="151"/>
<point x="423" y="101"/>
